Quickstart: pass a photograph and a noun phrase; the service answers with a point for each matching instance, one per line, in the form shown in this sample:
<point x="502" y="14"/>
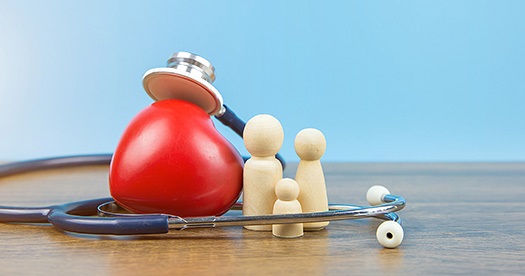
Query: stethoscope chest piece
<point x="188" y="77"/>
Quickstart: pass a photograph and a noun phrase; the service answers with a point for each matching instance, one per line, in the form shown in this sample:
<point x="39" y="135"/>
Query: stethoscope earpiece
<point x="187" y="77"/>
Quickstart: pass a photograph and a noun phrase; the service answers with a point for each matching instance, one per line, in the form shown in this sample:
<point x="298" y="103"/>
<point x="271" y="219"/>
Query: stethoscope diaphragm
<point x="187" y="77"/>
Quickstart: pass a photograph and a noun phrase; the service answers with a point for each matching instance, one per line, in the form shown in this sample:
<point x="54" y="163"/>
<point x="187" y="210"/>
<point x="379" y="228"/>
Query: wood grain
<point x="460" y="218"/>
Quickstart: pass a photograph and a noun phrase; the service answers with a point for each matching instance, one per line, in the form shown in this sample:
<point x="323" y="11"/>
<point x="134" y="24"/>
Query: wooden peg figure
<point x="263" y="137"/>
<point x="310" y="146"/>
<point x="287" y="191"/>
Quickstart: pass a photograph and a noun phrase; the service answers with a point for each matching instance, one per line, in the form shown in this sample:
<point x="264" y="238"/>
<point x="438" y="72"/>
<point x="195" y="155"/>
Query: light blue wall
<point x="384" y="80"/>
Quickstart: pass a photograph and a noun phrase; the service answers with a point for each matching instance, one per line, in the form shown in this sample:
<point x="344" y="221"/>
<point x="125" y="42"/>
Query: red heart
<point x="172" y="160"/>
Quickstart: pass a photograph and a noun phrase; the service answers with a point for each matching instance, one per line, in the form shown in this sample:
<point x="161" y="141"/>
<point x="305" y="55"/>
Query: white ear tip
<point x="390" y="234"/>
<point x="375" y="195"/>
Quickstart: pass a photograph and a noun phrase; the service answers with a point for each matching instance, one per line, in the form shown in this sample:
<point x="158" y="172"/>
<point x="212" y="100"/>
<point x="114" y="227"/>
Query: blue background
<point x="384" y="80"/>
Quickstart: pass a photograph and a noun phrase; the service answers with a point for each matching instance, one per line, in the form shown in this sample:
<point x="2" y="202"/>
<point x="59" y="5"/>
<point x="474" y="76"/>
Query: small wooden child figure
<point x="310" y="146"/>
<point x="287" y="191"/>
<point x="263" y="138"/>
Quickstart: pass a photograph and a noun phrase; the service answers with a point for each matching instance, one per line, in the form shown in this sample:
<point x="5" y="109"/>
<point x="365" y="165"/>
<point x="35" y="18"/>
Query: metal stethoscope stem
<point x="337" y="212"/>
<point x="384" y="211"/>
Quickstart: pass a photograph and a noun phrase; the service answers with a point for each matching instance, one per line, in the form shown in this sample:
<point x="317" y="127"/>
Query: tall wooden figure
<point x="263" y="138"/>
<point x="310" y="146"/>
<point x="287" y="191"/>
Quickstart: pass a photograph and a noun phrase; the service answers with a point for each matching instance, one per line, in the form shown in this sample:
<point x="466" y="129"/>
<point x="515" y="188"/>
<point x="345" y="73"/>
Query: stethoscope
<point x="185" y="72"/>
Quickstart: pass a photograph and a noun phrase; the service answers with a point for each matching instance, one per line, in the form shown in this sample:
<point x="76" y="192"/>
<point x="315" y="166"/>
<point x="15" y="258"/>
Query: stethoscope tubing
<point x="337" y="212"/>
<point x="78" y="217"/>
<point x="231" y="120"/>
<point x="228" y="118"/>
<point x="13" y="214"/>
<point x="54" y="163"/>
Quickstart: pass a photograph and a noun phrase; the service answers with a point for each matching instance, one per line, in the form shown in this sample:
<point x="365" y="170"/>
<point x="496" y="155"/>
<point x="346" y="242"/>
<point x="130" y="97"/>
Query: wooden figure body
<point x="287" y="191"/>
<point x="263" y="138"/>
<point x="310" y="146"/>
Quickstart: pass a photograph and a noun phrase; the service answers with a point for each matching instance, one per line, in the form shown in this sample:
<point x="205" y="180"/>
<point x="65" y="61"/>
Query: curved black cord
<point x="231" y="120"/>
<point x="228" y="118"/>
<point x="75" y="217"/>
<point x="54" y="162"/>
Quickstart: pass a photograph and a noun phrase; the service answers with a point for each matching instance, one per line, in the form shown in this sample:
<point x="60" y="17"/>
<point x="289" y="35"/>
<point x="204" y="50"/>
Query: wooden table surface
<point x="460" y="218"/>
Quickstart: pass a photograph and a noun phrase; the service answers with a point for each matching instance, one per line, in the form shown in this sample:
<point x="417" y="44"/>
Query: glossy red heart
<point x="172" y="160"/>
